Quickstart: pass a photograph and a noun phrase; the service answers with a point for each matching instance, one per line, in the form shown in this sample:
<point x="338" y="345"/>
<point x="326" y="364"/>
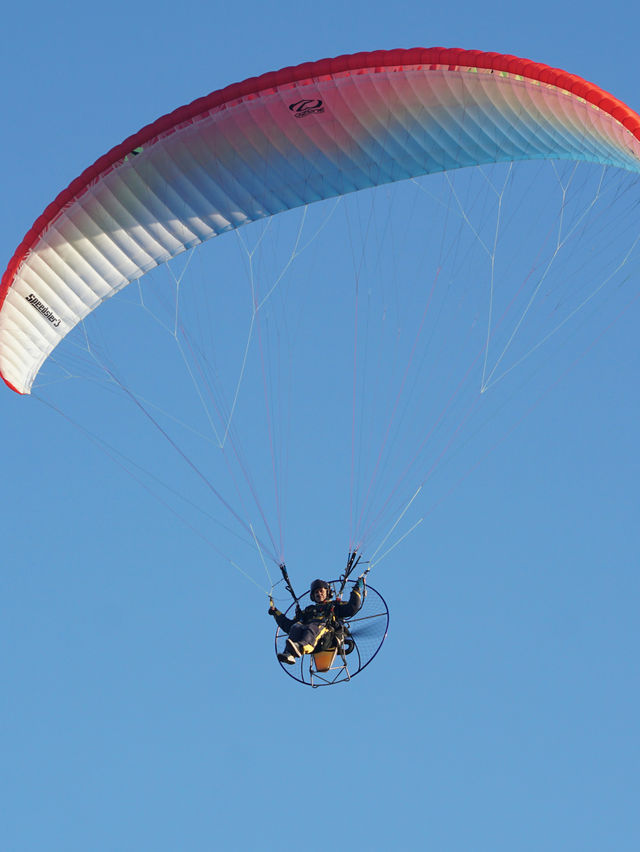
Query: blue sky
<point x="142" y="707"/>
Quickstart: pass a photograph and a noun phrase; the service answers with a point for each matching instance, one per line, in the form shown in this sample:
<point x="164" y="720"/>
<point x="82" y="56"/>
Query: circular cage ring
<point x="365" y="632"/>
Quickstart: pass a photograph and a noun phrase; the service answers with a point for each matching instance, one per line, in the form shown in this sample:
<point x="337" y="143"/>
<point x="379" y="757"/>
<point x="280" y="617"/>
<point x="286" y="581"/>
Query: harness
<point x="338" y="634"/>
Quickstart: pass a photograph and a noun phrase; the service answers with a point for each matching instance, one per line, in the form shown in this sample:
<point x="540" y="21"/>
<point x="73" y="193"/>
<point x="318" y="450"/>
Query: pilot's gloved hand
<point x="359" y="584"/>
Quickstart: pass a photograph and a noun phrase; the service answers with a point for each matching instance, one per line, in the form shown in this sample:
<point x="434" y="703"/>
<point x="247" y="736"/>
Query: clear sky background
<point x="141" y="705"/>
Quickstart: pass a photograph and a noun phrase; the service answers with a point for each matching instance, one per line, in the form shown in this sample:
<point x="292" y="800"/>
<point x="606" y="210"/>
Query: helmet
<point x="320" y="584"/>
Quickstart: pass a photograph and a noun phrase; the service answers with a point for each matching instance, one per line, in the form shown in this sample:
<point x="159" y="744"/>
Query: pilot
<point x="315" y="620"/>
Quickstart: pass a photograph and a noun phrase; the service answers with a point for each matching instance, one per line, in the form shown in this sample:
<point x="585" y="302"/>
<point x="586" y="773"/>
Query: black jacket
<point x="322" y="613"/>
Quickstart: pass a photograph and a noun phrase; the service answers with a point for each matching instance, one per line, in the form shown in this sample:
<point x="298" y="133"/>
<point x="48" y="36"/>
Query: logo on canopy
<point x="46" y="312"/>
<point x="306" y="107"/>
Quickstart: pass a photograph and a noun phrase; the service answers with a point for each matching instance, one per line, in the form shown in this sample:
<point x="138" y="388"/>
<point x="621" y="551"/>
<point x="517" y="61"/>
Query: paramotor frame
<point x="367" y="631"/>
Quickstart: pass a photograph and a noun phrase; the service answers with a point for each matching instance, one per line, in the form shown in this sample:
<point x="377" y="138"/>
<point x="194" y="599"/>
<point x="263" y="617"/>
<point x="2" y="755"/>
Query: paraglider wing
<point x="280" y="141"/>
